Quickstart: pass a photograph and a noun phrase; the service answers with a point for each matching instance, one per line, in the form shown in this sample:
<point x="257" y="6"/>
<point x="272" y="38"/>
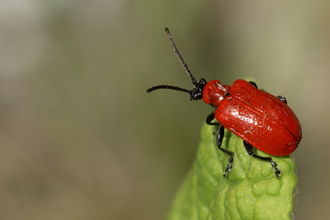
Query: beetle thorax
<point x="214" y="92"/>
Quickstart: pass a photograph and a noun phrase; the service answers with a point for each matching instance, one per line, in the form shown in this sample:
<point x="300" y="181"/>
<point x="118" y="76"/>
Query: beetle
<point x="262" y="120"/>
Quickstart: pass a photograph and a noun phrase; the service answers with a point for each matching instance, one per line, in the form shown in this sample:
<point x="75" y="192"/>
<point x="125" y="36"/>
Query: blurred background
<point x="80" y="139"/>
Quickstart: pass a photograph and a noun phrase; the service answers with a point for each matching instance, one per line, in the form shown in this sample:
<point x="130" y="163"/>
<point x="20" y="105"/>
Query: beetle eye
<point x="197" y="91"/>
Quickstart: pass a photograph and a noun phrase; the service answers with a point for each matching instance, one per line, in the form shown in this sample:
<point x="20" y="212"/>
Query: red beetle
<point x="262" y="120"/>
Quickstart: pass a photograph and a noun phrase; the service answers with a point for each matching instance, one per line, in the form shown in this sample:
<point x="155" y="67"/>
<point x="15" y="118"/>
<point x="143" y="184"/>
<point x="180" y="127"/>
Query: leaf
<point x="250" y="191"/>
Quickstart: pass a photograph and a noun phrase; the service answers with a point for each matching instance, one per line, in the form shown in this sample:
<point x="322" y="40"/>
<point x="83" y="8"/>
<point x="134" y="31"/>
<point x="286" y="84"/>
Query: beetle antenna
<point x="168" y="87"/>
<point x="178" y="54"/>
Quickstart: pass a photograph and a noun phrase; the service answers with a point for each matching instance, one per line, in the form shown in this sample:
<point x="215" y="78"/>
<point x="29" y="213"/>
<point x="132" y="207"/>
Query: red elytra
<point x="262" y="120"/>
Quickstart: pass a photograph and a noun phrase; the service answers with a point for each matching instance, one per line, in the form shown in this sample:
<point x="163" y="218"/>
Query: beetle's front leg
<point x="249" y="150"/>
<point x="254" y="84"/>
<point x="219" y="135"/>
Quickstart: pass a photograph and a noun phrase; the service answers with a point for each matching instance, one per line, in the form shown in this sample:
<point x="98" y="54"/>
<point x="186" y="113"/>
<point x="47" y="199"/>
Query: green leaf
<point x="250" y="191"/>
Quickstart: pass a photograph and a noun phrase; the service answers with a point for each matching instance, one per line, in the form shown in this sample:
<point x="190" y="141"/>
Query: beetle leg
<point x="249" y="150"/>
<point x="253" y="83"/>
<point x="283" y="99"/>
<point x="210" y="118"/>
<point x="219" y="135"/>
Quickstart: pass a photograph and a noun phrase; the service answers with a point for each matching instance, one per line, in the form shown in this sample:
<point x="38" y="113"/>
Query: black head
<point x="195" y="93"/>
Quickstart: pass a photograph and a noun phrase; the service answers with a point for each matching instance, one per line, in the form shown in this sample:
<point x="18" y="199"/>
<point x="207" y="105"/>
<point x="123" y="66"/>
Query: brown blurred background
<point x="79" y="137"/>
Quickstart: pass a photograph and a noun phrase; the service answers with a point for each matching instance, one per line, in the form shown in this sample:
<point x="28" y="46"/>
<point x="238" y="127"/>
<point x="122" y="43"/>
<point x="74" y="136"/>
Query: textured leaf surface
<point x="250" y="191"/>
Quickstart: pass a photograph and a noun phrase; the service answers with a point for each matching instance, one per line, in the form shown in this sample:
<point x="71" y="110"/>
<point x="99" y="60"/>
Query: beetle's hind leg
<point x="220" y="133"/>
<point x="283" y="99"/>
<point x="249" y="150"/>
